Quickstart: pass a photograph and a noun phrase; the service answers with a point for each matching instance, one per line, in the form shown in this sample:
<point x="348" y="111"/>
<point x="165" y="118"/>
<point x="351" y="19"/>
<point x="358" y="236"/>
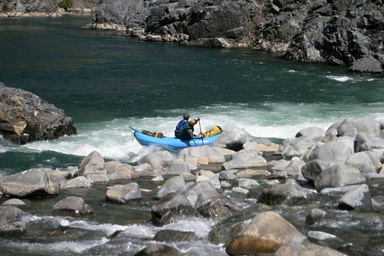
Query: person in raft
<point x="180" y="125"/>
<point x="187" y="131"/>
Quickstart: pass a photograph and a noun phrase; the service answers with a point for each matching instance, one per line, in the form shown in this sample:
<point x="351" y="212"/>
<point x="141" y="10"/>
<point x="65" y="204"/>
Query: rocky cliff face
<point x="41" y="7"/>
<point x="340" y="32"/>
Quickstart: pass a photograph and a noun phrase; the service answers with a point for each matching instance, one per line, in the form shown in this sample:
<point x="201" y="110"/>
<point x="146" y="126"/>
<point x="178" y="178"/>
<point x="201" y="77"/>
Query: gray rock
<point x="123" y="172"/>
<point x="124" y="193"/>
<point x="11" y="222"/>
<point x="248" y="183"/>
<point x="171" y="206"/>
<point x="366" y="162"/>
<point x="158" y="249"/>
<point x="209" y="176"/>
<point x="338" y="175"/>
<point x="298" y="146"/>
<point x="200" y="156"/>
<point x="289" y="193"/>
<point x="232" y="139"/>
<point x="159" y="159"/>
<point x="295" y="248"/>
<point x="338" y="190"/>
<point x="14" y="202"/>
<point x="245" y="159"/>
<point x="30" y="183"/>
<point x="168" y="235"/>
<point x="366" y="142"/>
<point x="78" y="182"/>
<point x="294" y="167"/>
<point x="25" y="117"/>
<point x="227" y="175"/>
<point x="362" y="125"/>
<point x="173" y="184"/>
<point x="313" y="132"/>
<point x="73" y="206"/>
<point x="359" y="198"/>
<point x="316" y="236"/>
<point x="331" y="152"/>
<point x="93" y="163"/>
<point x="314" y="216"/>
<point x="313" y="168"/>
<point x="367" y="65"/>
<point x="177" y="167"/>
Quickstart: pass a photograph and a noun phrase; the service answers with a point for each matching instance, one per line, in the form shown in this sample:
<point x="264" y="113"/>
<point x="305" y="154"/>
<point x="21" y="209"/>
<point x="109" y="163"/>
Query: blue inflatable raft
<point x="171" y="142"/>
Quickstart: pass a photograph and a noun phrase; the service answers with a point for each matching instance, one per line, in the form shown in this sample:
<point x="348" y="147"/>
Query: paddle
<point x="202" y="137"/>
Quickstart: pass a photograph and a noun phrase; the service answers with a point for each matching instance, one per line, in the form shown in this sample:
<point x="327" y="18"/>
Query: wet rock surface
<point x="25" y="117"/>
<point x="304" y="205"/>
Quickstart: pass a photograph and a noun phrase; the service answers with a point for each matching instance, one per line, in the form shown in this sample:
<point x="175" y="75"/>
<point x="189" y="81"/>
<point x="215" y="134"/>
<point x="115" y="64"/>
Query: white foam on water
<point x="340" y="78"/>
<point x="114" y="139"/>
<point x="201" y="227"/>
<point x="71" y="246"/>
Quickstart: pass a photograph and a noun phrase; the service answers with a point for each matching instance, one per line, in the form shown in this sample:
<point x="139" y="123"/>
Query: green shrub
<point x="66" y="4"/>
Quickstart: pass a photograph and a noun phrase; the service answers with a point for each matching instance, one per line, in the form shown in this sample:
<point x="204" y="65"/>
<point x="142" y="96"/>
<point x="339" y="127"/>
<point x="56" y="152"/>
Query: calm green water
<point x="105" y="82"/>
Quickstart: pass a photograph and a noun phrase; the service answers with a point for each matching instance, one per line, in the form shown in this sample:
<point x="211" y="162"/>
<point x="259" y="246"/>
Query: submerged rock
<point x="73" y="206"/>
<point x="25" y="117"/>
<point x="159" y="250"/>
<point x="11" y="222"/>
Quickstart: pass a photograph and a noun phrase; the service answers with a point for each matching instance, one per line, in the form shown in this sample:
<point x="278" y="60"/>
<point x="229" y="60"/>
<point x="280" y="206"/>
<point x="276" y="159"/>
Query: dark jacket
<point x="187" y="132"/>
<point x="179" y="127"/>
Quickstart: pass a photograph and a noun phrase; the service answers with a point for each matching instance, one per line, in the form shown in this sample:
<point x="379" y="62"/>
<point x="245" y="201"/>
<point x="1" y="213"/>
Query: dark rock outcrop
<point x="336" y="32"/>
<point x="25" y="117"/>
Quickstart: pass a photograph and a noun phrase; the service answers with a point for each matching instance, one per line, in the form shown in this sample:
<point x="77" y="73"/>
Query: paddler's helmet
<point x="186" y="117"/>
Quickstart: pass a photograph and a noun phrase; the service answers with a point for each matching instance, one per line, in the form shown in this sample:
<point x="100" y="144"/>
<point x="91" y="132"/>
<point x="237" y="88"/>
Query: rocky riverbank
<point x="347" y="33"/>
<point x="43" y="8"/>
<point x="322" y="173"/>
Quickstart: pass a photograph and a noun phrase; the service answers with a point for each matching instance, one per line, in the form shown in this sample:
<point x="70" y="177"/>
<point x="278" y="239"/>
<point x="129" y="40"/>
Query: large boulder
<point x="359" y="198"/>
<point x="331" y="152"/>
<point x="93" y="167"/>
<point x="362" y="125"/>
<point x="265" y="234"/>
<point x="232" y="139"/>
<point x="25" y="117"/>
<point x="338" y="175"/>
<point x="174" y="184"/>
<point x="30" y="183"/>
<point x="289" y="193"/>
